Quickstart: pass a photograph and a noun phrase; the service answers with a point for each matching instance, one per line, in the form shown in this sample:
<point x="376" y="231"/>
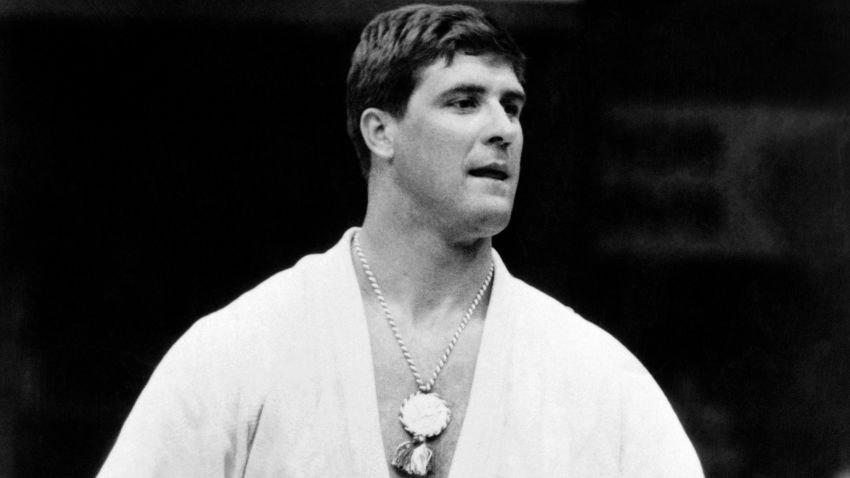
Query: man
<point x="408" y="349"/>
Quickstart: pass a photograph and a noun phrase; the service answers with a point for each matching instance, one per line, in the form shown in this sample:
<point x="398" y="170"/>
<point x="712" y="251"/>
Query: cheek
<point x="443" y="145"/>
<point x="458" y="143"/>
<point x="516" y="147"/>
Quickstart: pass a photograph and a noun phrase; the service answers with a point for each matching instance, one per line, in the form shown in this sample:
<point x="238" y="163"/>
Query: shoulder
<point x="277" y="316"/>
<point x="284" y="299"/>
<point x="280" y="292"/>
<point x="258" y="308"/>
<point x="565" y="334"/>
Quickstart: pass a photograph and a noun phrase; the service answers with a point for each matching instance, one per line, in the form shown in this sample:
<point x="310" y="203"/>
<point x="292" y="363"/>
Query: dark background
<point x="685" y="185"/>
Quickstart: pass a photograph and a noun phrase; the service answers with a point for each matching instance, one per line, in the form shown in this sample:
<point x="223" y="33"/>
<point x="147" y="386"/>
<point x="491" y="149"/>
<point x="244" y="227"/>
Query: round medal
<point x="424" y="414"/>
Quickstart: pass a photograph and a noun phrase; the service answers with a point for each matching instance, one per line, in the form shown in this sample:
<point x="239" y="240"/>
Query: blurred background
<point x="685" y="186"/>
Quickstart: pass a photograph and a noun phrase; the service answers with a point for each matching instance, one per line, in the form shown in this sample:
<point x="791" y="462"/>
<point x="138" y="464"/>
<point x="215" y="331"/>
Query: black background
<point x="685" y="185"/>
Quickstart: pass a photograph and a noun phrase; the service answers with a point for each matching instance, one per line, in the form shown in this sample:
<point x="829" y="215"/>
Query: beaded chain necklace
<point x="423" y="414"/>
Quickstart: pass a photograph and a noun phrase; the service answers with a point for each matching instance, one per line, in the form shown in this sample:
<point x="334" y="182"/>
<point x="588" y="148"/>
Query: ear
<point x="378" y="130"/>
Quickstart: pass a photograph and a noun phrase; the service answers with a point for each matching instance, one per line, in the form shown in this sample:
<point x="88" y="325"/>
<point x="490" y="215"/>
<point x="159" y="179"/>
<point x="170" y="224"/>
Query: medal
<point x="424" y="414"/>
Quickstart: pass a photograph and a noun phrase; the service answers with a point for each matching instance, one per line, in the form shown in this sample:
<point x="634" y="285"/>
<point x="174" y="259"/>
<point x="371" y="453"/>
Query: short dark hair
<point x="396" y="45"/>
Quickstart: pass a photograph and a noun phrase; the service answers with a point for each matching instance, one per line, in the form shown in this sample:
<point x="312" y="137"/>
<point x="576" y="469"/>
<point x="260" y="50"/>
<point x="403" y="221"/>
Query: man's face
<point x="458" y="146"/>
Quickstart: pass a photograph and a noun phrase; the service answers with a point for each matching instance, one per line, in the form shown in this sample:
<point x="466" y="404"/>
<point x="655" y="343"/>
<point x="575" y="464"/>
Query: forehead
<point x="490" y="71"/>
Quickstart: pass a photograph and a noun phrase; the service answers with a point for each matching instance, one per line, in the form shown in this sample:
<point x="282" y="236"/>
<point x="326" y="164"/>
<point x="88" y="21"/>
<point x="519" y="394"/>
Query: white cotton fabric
<point x="280" y="384"/>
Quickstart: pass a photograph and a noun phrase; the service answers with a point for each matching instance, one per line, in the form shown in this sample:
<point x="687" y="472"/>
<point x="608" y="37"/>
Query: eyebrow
<point x="474" y="89"/>
<point x="515" y="95"/>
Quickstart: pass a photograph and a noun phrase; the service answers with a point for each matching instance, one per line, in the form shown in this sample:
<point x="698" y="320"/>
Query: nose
<point x="502" y="128"/>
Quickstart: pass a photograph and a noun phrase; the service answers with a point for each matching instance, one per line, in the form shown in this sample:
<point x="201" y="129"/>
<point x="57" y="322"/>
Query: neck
<point x="422" y="273"/>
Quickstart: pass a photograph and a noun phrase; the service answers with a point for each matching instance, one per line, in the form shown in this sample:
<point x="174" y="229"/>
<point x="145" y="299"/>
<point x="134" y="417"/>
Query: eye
<point x="464" y="103"/>
<point x="513" y="109"/>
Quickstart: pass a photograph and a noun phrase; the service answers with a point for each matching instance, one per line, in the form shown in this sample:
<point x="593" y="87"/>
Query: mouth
<point x="491" y="171"/>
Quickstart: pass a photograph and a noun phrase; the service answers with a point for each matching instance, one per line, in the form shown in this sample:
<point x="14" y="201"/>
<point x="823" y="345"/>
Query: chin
<point x="486" y="224"/>
<point x="477" y="220"/>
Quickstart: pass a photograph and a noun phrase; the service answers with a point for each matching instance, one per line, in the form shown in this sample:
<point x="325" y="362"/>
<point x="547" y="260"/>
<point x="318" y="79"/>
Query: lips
<point x="491" y="171"/>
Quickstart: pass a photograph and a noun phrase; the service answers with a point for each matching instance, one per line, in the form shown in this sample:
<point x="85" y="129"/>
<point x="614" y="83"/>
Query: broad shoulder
<point x="233" y="351"/>
<point x="275" y="309"/>
<point x="559" y="332"/>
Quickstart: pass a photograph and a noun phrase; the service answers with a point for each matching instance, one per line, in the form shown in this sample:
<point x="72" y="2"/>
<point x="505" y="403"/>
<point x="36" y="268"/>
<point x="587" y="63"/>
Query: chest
<point x="334" y="412"/>
<point x="394" y="382"/>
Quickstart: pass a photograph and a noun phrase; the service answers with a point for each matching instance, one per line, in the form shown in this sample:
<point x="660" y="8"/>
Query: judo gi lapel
<point x="342" y="306"/>
<point x="478" y="446"/>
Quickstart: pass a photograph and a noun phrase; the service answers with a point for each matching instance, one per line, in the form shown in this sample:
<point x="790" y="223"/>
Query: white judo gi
<point x="280" y="384"/>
